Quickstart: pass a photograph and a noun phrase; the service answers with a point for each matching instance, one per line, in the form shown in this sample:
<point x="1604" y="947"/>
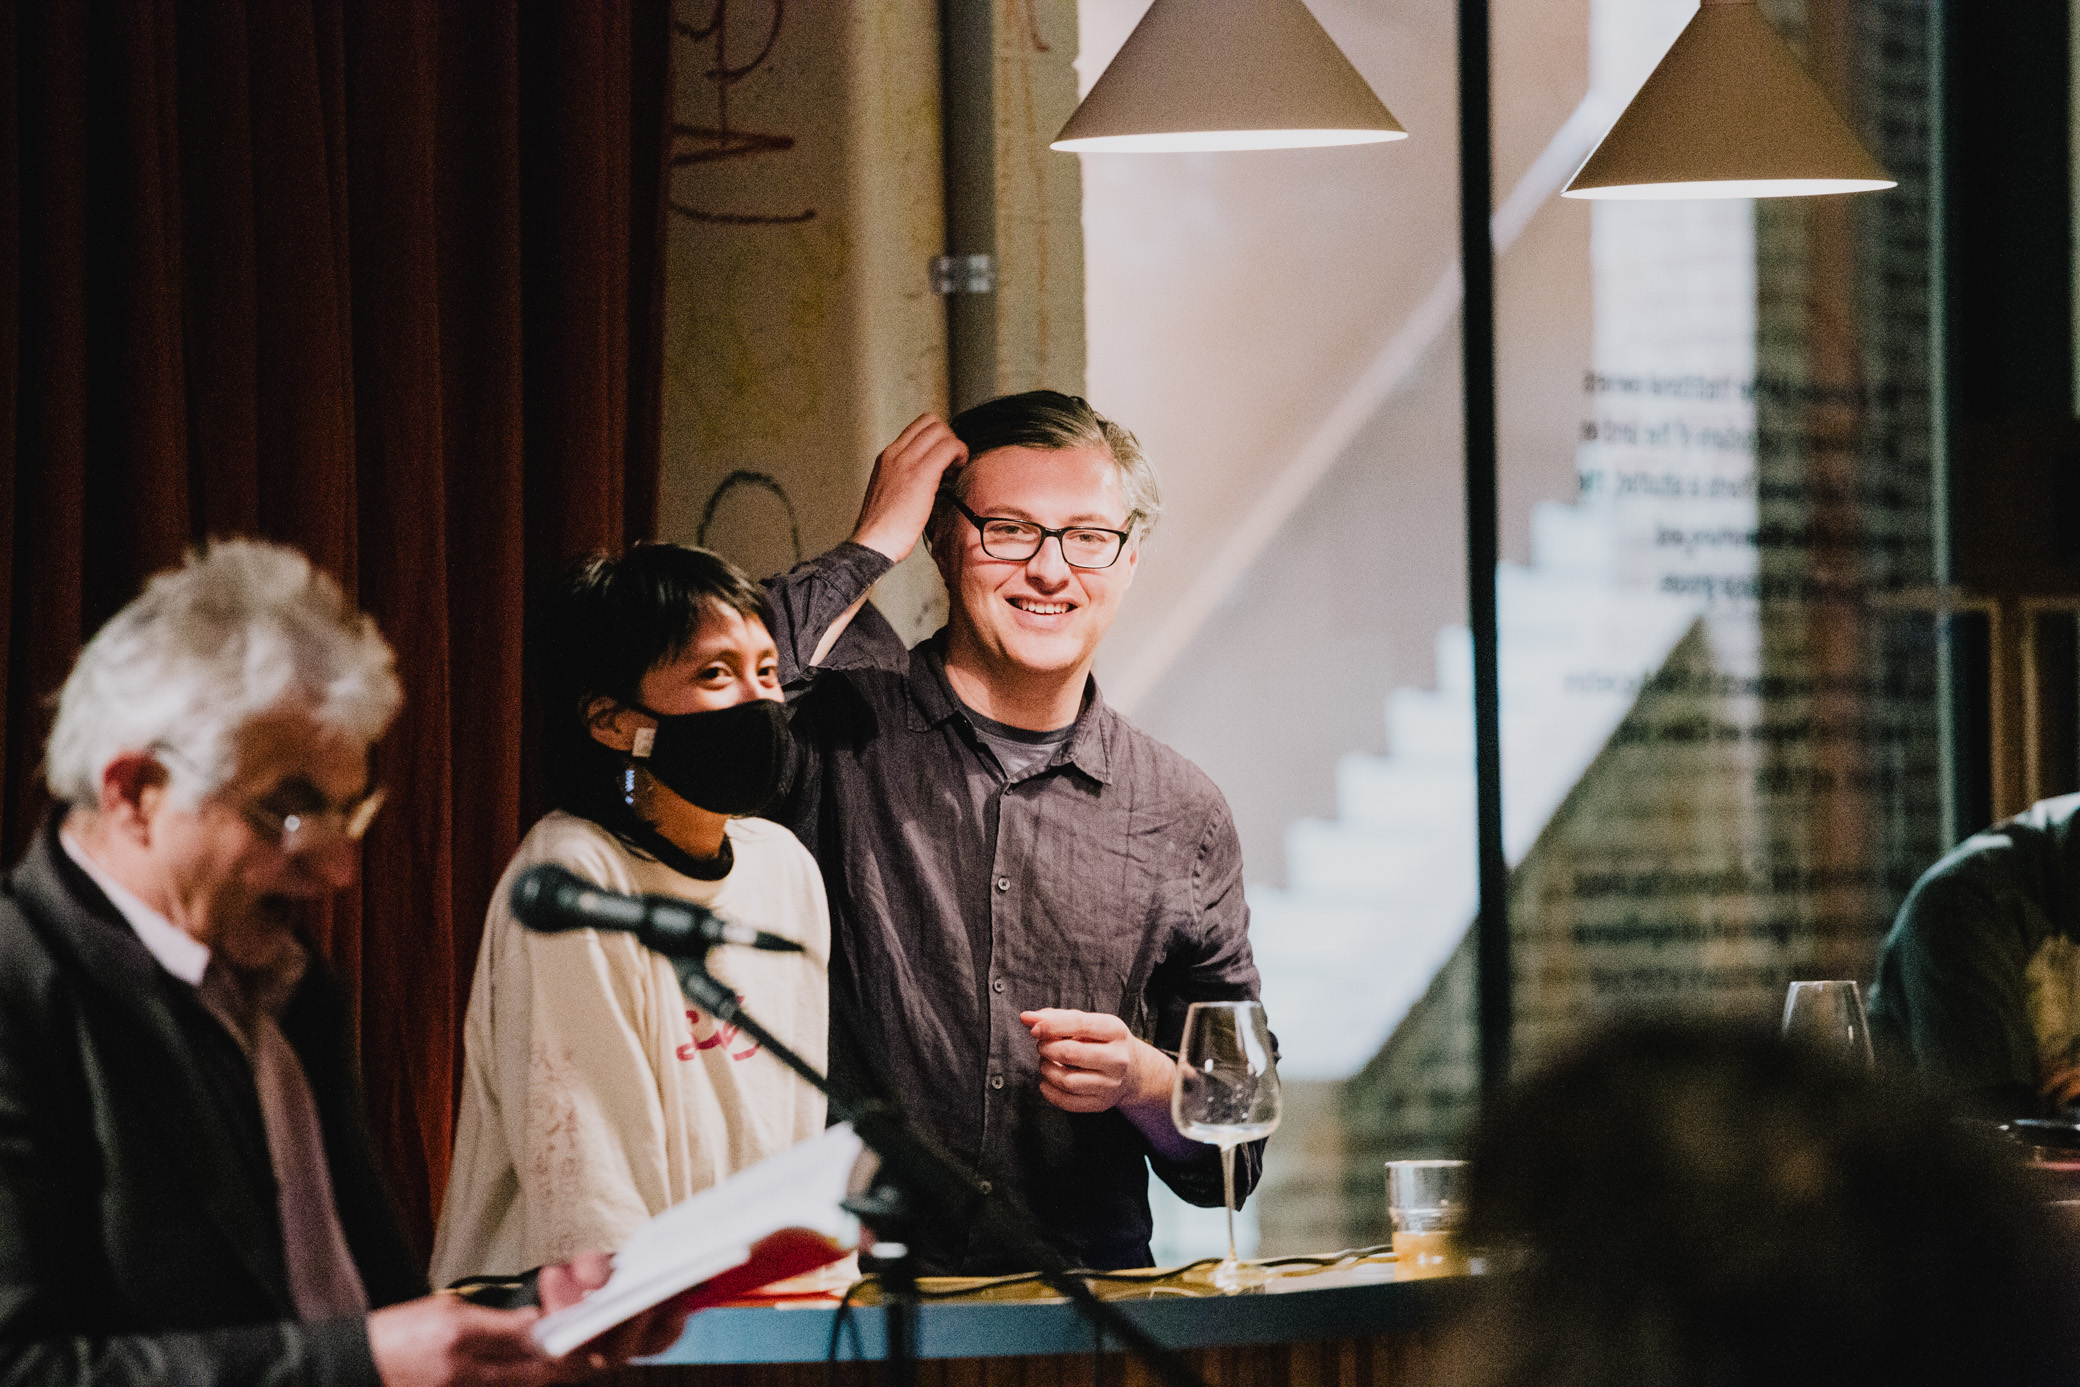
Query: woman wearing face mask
<point x="593" y="1095"/>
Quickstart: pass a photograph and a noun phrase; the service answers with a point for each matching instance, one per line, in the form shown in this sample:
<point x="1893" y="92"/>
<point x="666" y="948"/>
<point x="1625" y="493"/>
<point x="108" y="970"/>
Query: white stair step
<point x="1571" y="539"/>
<point x="1405" y="791"/>
<point x="1331" y="856"/>
<point x="1332" y="1011"/>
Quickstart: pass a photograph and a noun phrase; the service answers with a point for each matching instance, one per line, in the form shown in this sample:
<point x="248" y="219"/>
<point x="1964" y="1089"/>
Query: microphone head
<point x="678" y="928"/>
<point x="545" y="898"/>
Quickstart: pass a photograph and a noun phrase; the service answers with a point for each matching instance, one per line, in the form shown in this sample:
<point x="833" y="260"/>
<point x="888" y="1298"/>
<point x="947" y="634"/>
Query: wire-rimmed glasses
<point x="296" y="817"/>
<point x="1083" y="546"/>
<point x="1226" y="1093"/>
<point x="295" y="832"/>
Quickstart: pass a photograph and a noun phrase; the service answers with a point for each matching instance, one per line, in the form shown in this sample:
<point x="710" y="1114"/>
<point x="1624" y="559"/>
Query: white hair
<point x="241" y="629"/>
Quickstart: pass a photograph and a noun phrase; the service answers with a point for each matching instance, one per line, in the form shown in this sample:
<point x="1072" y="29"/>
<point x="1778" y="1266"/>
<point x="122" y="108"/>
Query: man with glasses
<point x="1026" y="892"/>
<point x="187" y="1191"/>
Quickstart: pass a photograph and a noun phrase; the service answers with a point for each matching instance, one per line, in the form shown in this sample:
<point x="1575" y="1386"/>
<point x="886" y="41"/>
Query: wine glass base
<point x="1233" y="1275"/>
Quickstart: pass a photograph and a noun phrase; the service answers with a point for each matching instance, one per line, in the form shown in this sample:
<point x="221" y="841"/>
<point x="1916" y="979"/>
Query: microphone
<point x="550" y="899"/>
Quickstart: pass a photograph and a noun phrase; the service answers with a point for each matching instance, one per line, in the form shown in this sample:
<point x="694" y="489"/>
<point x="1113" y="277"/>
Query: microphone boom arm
<point x="925" y="1173"/>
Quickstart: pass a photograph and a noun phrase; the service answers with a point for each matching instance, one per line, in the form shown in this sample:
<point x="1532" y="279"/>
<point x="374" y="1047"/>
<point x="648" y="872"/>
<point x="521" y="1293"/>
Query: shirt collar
<point x="178" y="952"/>
<point x="932" y="702"/>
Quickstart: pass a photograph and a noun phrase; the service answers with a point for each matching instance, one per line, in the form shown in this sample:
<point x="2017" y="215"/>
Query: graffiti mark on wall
<point x="761" y="481"/>
<point x="710" y="143"/>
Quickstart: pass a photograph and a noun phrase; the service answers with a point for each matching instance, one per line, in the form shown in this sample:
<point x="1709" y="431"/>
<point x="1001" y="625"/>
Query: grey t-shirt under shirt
<point x="1019" y="752"/>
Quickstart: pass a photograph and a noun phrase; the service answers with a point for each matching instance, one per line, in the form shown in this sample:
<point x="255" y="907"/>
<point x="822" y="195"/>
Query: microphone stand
<point x="917" y="1180"/>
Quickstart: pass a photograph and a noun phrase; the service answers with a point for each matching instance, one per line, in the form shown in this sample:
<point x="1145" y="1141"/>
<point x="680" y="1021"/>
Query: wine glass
<point x="1226" y="1093"/>
<point x="1828" y="1017"/>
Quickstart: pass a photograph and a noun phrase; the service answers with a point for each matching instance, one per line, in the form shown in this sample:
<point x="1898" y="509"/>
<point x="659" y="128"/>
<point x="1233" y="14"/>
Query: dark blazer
<point x="139" y="1236"/>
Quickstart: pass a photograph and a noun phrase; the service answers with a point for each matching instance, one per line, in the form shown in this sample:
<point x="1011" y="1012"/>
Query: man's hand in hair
<point x="905" y="482"/>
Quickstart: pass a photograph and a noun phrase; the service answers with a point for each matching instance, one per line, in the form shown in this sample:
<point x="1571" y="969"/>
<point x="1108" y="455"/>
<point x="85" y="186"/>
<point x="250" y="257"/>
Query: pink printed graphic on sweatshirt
<point x="708" y="1034"/>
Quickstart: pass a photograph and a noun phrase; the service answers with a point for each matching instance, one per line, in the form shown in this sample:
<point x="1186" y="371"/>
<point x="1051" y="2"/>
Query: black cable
<point x="1150" y="1277"/>
<point x="840" y="1318"/>
<point x="1328" y="1259"/>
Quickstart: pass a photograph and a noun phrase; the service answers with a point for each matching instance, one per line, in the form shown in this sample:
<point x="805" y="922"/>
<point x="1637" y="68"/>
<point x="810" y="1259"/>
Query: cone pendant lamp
<point x="1227" y="74"/>
<point x="1728" y="112"/>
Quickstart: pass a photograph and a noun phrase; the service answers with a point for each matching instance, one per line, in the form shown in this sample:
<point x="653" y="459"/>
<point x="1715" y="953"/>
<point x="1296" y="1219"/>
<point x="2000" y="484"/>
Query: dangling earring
<point x="628" y="787"/>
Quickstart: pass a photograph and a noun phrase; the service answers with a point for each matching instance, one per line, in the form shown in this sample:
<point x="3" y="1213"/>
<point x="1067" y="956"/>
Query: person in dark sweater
<point x="1978" y="987"/>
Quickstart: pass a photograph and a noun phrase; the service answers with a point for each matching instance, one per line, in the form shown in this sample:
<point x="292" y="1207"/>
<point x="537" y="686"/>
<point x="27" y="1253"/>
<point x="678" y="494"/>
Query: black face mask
<point x="735" y="760"/>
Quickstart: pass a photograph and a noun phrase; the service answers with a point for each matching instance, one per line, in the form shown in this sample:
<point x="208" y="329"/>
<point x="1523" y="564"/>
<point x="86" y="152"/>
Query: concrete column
<point x="798" y="345"/>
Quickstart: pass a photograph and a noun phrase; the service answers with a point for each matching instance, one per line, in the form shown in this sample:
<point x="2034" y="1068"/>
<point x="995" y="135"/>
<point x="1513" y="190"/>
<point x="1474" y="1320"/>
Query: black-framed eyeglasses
<point x="1083" y="546"/>
<point x="300" y="826"/>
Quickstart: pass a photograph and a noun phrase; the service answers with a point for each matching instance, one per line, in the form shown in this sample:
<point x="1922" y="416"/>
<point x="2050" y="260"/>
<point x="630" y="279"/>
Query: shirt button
<point x="984" y="1186"/>
<point x="996" y="985"/>
<point x="1003" y="883"/>
<point x="996" y="1081"/>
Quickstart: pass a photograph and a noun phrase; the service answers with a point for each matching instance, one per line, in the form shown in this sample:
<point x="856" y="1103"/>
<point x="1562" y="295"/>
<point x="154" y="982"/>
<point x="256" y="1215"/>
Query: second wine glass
<point x="1226" y="1093"/>
<point x="1828" y="1017"/>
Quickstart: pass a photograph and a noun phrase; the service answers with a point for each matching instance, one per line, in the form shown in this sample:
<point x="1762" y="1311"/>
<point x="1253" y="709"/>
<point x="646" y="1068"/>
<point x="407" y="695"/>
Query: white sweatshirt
<point x="593" y="1095"/>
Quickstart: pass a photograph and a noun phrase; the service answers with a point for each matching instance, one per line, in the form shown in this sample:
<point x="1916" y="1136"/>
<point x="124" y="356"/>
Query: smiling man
<point x="1026" y="892"/>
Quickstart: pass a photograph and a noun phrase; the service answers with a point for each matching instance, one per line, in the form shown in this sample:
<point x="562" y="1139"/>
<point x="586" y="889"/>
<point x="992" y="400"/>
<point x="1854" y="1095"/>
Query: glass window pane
<point x="1722" y="661"/>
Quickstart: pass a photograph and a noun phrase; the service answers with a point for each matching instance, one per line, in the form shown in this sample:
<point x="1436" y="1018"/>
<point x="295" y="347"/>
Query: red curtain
<point x="381" y="280"/>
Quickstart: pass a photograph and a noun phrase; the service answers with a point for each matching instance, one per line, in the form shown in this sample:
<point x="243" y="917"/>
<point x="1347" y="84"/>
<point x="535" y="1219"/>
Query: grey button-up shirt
<point x="1108" y="879"/>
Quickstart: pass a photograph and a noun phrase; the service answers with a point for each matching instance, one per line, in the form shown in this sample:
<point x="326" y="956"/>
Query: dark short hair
<point x="1700" y="1203"/>
<point x="596" y="630"/>
<point x="1050" y="420"/>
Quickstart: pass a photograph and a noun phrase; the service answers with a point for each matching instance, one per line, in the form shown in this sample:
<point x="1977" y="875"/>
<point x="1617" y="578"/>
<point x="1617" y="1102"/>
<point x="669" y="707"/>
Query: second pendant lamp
<point x="1728" y="112"/>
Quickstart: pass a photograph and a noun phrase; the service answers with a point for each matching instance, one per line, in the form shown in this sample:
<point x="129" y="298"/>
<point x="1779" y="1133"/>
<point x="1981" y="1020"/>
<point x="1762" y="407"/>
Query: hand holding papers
<point x="777" y="1219"/>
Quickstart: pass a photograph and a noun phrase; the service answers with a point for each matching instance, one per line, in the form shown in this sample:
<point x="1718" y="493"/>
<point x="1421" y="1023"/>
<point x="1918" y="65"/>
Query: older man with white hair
<point x="187" y="1191"/>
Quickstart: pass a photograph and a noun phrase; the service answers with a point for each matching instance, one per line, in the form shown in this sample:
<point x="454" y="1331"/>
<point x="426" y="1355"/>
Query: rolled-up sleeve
<point x="807" y="598"/>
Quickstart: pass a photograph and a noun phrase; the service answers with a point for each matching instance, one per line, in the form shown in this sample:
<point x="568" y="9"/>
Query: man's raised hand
<point x="1090" y="1062"/>
<point x="905" y="482"/>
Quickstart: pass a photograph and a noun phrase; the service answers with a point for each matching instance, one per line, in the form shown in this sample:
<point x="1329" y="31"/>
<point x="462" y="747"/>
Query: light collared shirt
<point x="179" y="952"/>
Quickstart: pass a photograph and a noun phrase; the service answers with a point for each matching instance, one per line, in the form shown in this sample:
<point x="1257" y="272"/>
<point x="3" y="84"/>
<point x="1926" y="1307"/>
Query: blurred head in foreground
<point x="1700" y="1205"/>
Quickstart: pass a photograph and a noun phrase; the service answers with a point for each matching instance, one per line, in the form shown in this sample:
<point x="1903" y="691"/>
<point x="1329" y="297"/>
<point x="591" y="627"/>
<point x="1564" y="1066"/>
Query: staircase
<point x="1378" y="899"/>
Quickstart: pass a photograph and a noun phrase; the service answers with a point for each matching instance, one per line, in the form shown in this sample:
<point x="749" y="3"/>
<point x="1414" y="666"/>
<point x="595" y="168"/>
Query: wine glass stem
<point x="1228" y="1195"/>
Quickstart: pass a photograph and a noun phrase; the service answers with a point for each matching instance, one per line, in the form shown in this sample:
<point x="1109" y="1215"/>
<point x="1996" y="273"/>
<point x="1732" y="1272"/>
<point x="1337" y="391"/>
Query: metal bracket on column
<point x="968" y="145"/>
<point x="964" y="274"/>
